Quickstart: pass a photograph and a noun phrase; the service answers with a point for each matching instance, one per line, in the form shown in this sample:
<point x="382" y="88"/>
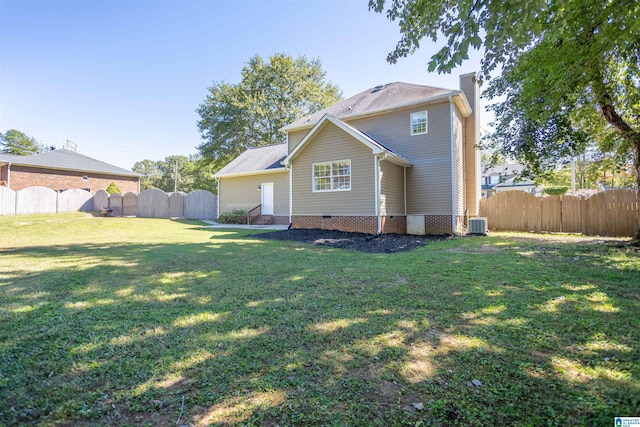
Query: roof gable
<point x="63" y="159"/>
<point x="256" y="160"/>
<point x="379" y="99"/>
<point x="375" y="146"/>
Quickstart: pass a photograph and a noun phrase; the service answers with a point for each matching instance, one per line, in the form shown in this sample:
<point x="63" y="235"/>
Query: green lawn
<point x="120" y="321"/>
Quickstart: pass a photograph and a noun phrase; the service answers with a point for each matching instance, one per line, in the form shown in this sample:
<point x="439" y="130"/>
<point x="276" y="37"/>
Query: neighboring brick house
<point x="62" y="170"/>
<point x="393" y="159"/>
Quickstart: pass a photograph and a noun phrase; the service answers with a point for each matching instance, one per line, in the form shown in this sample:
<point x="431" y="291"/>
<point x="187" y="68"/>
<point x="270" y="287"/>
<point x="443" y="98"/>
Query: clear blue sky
<point x="122" y="78"/>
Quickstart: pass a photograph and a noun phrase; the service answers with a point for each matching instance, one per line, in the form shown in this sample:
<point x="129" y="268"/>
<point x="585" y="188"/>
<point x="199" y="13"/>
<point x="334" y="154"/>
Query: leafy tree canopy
<point x="15" y="142"/>
<point x="570" y="71"/>
<point x="270" y="95"/>
<point x="113" y="188"/>
<point x="193" y="173"/>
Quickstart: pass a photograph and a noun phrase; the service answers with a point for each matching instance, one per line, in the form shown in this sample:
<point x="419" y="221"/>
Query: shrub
<point x="556" y="191"/>
<point x="113" y="189"/>
<point x="236" y="216"/>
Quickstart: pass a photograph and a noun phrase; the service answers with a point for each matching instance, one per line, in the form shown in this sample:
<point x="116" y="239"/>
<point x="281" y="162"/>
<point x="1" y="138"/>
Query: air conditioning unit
<point x="478" y="226"/>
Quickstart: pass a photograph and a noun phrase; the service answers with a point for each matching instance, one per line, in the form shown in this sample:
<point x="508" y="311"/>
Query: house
<point x="396" y="158"/>
<point x="64" y="169"/>
<point x="497" y="179"/>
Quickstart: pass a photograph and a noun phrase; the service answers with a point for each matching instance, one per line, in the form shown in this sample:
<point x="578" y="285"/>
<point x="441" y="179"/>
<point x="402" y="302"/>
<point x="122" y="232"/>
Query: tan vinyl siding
<point x="471" y="154"/>
<point x="242" y="192"/>
<point x="429" y="179"/>
<point x="332" y="144"/>
<point x="295" y="137"/>
<point x="391" y="189"/>
<point x="459" y="162"/>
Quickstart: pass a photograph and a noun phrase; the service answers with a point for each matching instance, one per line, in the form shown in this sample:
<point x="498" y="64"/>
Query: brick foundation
<point x="394" y="224"/>
<point x="281" y="220"/>
<point x="355" y="224"/>
<point x="22" y="177"/>
<point x="437" y="224"/>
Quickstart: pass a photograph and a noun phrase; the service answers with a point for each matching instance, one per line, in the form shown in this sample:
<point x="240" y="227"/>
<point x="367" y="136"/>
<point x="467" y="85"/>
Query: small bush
<point x="556" y="191"/>
<point x="236" y="216"/>
<point x="113" y="188"/>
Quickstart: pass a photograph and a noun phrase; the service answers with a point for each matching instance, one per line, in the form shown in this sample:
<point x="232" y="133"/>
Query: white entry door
<point x="267" y="198"/>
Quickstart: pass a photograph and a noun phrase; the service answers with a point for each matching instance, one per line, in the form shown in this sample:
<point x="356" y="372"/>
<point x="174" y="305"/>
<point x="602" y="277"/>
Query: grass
<point x="112" y="321"/>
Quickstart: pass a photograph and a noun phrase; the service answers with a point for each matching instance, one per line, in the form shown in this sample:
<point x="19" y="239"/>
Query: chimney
<point x="469" y="86"/>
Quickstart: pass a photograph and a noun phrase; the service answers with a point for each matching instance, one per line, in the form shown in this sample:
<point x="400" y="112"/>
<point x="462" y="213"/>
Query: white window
<point x="332" y="176"/>
<point x="418" y="123"/>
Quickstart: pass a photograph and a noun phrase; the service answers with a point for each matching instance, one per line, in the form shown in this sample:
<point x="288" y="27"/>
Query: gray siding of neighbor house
<point x="471" y="135"/>
<point x="241" y="192"/>
<point x="391" y="189"/>
<point x="332" y="144"/>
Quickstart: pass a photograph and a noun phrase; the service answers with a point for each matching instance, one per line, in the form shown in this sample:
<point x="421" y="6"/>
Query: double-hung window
<point x="419" y="123"/>
<point x="332" y="176"/>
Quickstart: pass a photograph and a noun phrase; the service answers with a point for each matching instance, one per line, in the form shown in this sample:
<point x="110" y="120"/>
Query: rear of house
<point x="398" y="158"/>
<point x="256" y="181"/>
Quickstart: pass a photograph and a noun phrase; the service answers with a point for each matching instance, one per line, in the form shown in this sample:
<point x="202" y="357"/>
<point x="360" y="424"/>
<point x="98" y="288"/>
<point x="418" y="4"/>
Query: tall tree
<point x="570" y="70"/>
<point x="150" y="173"/>
<point x="15" y="142"/>
<point x="190" y="173"/>
<point x="270" y="95"/>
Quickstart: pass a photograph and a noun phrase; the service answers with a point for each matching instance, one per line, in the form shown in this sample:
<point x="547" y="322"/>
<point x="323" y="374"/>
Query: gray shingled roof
<point x="68" y="160"/>
<point x="256" y="159"/>
<point x="508" y="169"/>
<point x="7" y="157"/>
<point x="377" y="98"/>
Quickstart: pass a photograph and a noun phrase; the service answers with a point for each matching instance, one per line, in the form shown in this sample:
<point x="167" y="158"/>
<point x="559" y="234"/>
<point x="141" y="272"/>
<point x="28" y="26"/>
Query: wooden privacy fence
<point x="198" y="204"/>
<point x="608" y="213"/>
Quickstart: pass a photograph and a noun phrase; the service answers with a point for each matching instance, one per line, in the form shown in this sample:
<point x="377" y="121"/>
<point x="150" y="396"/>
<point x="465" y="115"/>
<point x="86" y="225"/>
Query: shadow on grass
<point x="261" y="333"/>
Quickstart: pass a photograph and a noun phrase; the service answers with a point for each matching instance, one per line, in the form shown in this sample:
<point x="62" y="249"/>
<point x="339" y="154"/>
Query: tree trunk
<point x="623" y="128"/>
<point x="636" y="164"/>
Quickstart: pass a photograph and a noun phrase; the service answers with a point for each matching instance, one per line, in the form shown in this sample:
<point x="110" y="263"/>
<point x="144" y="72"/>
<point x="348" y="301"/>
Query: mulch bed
<point x="385" y="243"/>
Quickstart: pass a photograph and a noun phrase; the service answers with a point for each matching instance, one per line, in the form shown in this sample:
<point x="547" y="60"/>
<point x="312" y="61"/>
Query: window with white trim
<point x="332" y="176"/>
<point x="419" y="123"/>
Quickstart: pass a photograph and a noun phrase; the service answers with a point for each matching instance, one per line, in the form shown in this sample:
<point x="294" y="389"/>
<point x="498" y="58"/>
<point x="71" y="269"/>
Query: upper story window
<point x="332" y="176"/>
<point x="418" y="123"/>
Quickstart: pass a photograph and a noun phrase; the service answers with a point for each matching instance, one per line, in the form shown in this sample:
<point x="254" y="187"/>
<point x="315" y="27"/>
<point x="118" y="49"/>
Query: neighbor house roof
<point x="256" y="160"/>
<point x="508" y="169"/>
<point x="63" y="159"/>
<point x="6" y="158"/>
<point x="515" y="182"/>
<point x="381" y="98"/>
<point x="376" y="147"/>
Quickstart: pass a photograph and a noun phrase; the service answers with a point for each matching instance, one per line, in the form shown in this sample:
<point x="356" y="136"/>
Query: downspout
<point x="290" y="169"/>
<point x="453" y="167"/>
<point x="9" y="175"/>
<point x="405" y="191"/>
<point x="219" y="191"/>
<point x="377" y="190"/>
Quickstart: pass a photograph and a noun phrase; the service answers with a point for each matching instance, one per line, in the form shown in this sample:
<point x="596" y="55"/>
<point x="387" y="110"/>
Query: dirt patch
<point x="385" y="243"/>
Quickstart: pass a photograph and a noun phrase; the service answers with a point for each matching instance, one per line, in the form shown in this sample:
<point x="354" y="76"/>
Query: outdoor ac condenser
<point x="478" y="226"/>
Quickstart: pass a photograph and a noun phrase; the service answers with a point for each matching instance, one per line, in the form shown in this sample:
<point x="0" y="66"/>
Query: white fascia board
<point x="430" y="100"/>
<point x="262" y="172"/>
<point x="375" y="148"/>
<point x="318" y="127"/>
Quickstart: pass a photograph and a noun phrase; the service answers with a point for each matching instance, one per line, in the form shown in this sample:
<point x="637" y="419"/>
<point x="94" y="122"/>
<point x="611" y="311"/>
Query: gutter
<point x="430" y="100"/>
<point x="259" y="172"/>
